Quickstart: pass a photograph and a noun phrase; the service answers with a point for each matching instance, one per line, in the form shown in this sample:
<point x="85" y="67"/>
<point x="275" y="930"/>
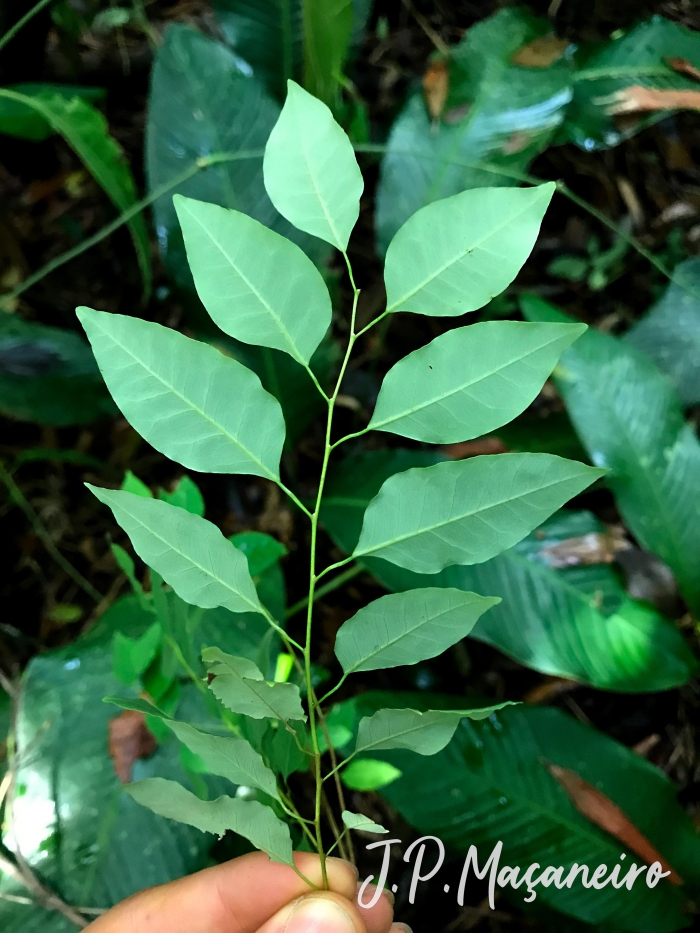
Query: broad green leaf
<point x="638" y="58"/>
<point x="187" y="551"/>
<point x="185" y="495"/>
<point x="424" y="733"/>
<point x="328" y="28"/>
<point x="631" y="421"/>
<point x="23" y="121"/>
<point x="456" y="254"/>
<point x="262" y="551"/>
<point x="497" y="118"/>
<point x="253" y="820"/>
<point x="86" y="132"/>
<point x="361" y="822"/>
<point x="257" y="286"/>
<point x="470" y="380"/>
<point x="311" y="174"/>
<point x="185" y="398"/>
<point x="368" y="774"/>
<point x="281" y="750"/>
<point x="670" y="332"/>
<point x="49" y="375"/>
<point x="224" y="755"/>
<point x="467" y="511"/>
<point x="240" y="686"/>
<point x="133" y="655"/>
<point x="491" y="783"/>
<point x="406" y="628"/>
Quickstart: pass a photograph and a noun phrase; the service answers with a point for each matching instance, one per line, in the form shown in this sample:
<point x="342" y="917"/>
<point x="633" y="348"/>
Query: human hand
<point x="251" y="894"/>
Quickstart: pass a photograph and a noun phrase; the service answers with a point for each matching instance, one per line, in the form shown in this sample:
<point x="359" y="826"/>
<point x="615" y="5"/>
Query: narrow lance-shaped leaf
<point x="310" y="170"/>
<point x="470" y="380"/>
<point x="225" y="755"/>
<point x="185" y="398"/>
<point x="468" y="511"/>
<point x="187" y="551"/>
<point x="241" y="687"/>
<point x="455" y="255"/>
<point x="405" y="628"/>
<point x="257" y="286"/>
<point x="248" y="818"/>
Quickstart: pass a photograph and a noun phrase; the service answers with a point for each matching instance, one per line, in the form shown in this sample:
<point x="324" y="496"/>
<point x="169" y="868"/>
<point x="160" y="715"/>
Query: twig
<point x="13" y="30"/>
<point x="333" y="584"/>
<point x="434" y="37"/>
<point x="18" y="498"/>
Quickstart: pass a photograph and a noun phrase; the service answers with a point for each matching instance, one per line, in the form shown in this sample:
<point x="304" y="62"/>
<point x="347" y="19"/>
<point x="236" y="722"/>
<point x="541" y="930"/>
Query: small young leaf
<point x="131" y="656"/>
<point x="405" y="628"/>
<point x="258" y="286"/>
<point x="424" y="733"/>
<point x="310" y="170"/>
<point x="369" y="774"/>
<point x="131" y="483"/>
<point x="186" y="495"/>
<point x="363" y="823"/>
<point x="470" y="380"/>
<point x="248" y="818"/>
<point x="229" y="757"/>
<point x="467" y="511"/>
<point x="187" y="551"/>
<point x="176" y="392"/>
<point x="455" y="255"/>
<point x="240" y="686"/>
<point x="263" y="551"/>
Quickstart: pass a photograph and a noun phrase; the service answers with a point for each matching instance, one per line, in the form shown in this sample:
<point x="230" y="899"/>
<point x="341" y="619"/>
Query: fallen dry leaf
<point x="436" y="85"/>
<point x="599" y="809"/>
<point x="516" y="142"/>
<point x="684" y="67"/>
<point x="597" y="547"/>
<point x="129" y="740"/>
<point x="540" y="53"/>
<point x="637" y="98"/>
<point x="482" y="445"/>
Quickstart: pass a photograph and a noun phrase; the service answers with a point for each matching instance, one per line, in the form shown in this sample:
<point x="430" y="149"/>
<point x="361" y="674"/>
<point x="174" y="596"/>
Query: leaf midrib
<point x="321" y="201"/>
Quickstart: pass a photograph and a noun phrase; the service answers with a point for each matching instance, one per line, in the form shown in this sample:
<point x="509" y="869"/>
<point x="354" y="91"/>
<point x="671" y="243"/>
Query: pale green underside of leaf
<point x="363" y="823"/>
<point x="227" y="756"/>
<point x="406" y="628"/>
<point x="467" y="511"/>
<point x="188" y="400"/>
<point x="455" y="255"/>
<point x="187" y="551"/>
<point x="424" y="733"/>
<point x="256" y="285"/>
<point x="469" y="381"/>
<point x="248" y="818"/>
<point x="310" y="170"/>
<point x="240" y="686"/>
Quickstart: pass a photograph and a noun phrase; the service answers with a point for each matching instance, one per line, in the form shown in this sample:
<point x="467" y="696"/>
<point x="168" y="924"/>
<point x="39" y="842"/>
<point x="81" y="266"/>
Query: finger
<point x="316" y="913"/>
<point x="377" y="919"/>
<point x="236" y="897"/>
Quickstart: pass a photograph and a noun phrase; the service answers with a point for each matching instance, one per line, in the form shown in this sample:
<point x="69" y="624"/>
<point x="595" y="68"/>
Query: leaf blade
<point x="240" y="686"/>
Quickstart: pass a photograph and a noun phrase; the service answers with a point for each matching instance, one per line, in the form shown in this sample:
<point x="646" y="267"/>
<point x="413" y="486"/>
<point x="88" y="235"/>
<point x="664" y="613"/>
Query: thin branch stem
<point x="295" y="499"/>
<point x="327" y="588"/>
<point x="334" y="689"/>
<point x="335" y="566"/>
<point x="13" y="30"/>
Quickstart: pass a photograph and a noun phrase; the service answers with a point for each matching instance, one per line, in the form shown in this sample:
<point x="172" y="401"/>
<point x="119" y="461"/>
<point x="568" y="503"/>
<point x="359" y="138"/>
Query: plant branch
<point x="13" y="30"/>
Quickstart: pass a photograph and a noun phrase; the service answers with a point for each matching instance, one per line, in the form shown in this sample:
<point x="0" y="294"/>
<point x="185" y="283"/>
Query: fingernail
<point x="400" y="928"/>
<point x="346" y="865"/>
<point x="318" y="915"/>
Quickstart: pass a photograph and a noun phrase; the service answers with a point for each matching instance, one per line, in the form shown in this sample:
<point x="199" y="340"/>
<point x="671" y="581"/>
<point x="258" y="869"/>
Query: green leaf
<point x="630" y="420"/>
<point x="86" y="132"/>
<point x="406" y="628"/>
<point x="637" y="58"/>
<point x="363" y="823"/>
<point x="204" y="101"/>
<point x="224" y="755"/>
<point x="467" y="511"/>
<point x="262" y="550"/>
<point x="177" y="392"/>
<point x="282" y="752"/>
<point x="133" y="655"/>
<point x="131" y="483"/>
<point x="469" y="381"/>
<point x="185" y="495"/>
<point x="368" y="774"/>
<point x="48" y="375"/>
<point x="497" y="118"/>
<point x="240" y="686"/>
<point x="310" y="170"/>
<point x="248" y="818"/>
<point x="328" y="26"/>
<point x="456" y="254"/>
<point x="670" y="332"/>
<point x="187" y="551"/>
<point x="257" y="286"/>
<point x="491" y="783"/>
<point x="25" y="122"/>
<point x="424" y="733"/>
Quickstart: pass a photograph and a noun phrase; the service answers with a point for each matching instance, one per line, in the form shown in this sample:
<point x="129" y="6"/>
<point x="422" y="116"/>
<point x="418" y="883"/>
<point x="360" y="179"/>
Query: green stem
<point x="342" y="764"/>
<point x="334" y="689"/>
<point x="13" y="30"/>
<point x="335" y="566"/>
<point x="338" y="840"/>
<point x="327" y="588"/>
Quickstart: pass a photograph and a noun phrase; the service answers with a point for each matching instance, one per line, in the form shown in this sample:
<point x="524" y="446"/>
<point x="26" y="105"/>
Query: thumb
<point x="322" y="912"/>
